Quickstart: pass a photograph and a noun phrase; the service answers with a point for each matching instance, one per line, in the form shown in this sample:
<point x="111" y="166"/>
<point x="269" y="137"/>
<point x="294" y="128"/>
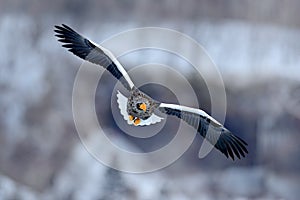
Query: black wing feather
<point x="86" y="50"/>
<point x="229" y="144"/>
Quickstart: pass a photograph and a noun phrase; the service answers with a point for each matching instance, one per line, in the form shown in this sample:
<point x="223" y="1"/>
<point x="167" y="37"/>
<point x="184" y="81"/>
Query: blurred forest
<point x="255" y="45"/>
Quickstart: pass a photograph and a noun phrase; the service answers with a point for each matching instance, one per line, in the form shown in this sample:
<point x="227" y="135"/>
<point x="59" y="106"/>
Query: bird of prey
<point x="138" y="108"/>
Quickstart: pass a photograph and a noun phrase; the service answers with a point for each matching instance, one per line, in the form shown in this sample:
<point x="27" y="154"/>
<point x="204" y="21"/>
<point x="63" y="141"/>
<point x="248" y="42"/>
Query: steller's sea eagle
<point x="138" y="108"/>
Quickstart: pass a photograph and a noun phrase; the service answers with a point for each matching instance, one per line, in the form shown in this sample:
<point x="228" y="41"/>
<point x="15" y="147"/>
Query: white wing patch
<point x="122" y="102"/>
<point x="188" y="109"/>
<point x="151" y="120"/>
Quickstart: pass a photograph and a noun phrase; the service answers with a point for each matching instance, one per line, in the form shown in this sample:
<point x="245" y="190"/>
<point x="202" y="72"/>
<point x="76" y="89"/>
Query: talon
<point x="137" y="121"/>
<point x="131" y="118"/>
<point x="143" y="106"/>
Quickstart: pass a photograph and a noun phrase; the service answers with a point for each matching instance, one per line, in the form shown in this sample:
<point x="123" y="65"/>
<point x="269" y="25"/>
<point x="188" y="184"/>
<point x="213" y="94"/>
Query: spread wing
<point x="90" y="51"/>
<point x="222" y="139"/>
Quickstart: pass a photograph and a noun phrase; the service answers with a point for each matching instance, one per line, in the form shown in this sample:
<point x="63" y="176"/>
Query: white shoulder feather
<point x="189" y="109"/>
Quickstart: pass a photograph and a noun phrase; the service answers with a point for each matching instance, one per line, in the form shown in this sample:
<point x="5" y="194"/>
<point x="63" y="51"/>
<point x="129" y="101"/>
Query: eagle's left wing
<point x="218" y="135"/>
<point x="90" y="51"/>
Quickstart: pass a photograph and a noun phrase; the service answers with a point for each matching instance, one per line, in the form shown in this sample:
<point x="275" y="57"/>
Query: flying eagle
<point x="138" y="109"/>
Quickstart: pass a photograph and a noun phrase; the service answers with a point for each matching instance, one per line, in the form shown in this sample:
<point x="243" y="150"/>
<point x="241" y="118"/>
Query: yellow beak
<point x="143" y="106"/>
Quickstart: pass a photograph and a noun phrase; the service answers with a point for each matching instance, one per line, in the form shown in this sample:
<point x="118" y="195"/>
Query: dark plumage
<point x="137" y="97"/>
<point x="87" y="50"/>
<point x="227" y="143"/>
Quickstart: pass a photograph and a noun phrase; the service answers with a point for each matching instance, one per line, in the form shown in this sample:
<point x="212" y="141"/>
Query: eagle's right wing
<point x="90" y="51"/>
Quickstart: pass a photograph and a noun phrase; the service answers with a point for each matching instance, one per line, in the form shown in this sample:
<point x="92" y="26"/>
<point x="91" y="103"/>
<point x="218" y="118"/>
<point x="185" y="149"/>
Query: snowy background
<point x="256" y="47"/>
